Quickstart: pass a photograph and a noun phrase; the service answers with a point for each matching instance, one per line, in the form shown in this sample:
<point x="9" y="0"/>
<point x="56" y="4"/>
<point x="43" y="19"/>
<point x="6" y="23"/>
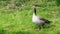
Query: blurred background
<point x="16" y="15"/>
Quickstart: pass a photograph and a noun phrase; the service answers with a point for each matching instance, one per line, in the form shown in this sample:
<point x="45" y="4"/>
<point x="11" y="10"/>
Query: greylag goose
<point x="38" y="20"/>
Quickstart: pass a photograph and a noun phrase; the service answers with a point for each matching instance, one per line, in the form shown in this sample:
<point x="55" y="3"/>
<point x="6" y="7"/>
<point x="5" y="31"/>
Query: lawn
<point x="15" y="21"/>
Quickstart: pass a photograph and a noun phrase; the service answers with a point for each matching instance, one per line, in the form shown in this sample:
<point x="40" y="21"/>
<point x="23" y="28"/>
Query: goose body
<point x="38" y="20"/>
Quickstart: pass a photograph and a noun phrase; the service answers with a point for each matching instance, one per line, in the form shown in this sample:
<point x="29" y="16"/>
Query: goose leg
<point x="39" y="27"/>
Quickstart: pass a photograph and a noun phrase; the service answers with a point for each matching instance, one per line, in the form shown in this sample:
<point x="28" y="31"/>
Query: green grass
<point x="19" y="21"/>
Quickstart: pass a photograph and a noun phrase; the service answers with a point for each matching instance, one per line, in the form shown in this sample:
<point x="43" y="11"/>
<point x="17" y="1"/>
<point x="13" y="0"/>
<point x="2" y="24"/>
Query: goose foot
<point x="38" y="29"/>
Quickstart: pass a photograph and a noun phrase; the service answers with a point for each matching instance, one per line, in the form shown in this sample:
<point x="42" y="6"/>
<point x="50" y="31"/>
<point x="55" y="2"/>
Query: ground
<point x="15" y="21"/>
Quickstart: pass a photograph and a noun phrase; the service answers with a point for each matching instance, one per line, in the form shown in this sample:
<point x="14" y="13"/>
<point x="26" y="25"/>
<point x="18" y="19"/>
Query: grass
<point x="19" y="21"/>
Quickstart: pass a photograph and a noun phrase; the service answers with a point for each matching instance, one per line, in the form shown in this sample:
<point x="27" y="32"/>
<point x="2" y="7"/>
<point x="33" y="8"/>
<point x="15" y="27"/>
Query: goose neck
<point x="34" y="11"/>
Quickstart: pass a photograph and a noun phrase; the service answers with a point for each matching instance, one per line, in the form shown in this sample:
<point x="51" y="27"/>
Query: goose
<point x="38" y="20"/>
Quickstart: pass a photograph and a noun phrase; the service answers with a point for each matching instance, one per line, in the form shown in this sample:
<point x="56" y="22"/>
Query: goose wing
<point x="45" y="20"/>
